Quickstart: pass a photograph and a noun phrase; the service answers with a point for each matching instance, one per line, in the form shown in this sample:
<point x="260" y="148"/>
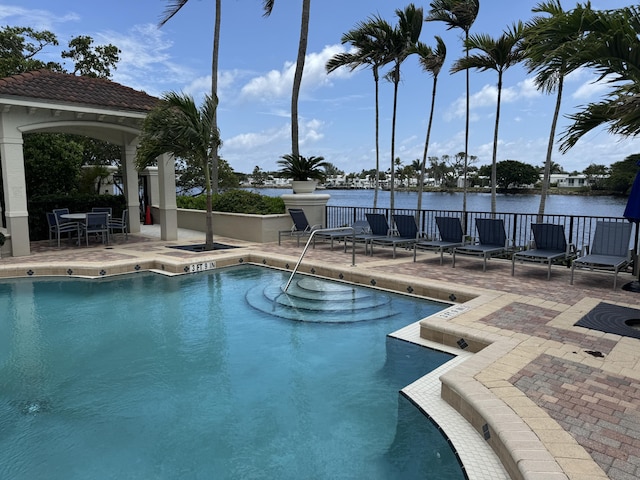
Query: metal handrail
<point x="306" y="247"/>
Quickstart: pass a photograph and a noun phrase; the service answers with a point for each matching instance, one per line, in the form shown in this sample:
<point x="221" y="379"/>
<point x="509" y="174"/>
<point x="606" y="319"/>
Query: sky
<point x="336" y="111"/>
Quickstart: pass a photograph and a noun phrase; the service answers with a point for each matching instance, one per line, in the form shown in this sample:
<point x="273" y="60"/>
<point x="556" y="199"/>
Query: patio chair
<point x="610" y="250"/>
<point x="301" y="226"/>
<point x="119" y="224"/>
<point x="62" y="211"/>
<point x="56" y="228"/>
<point x="98" y="224"/>
<point x="108" y="210"/>
<point x="492" y="241"/>
<point x="378" y="227"/>
<point x="359" y="227"/>
<point x="451" y="236"/>
<point x="407" y="234"/>
<point x="550" y="247"/>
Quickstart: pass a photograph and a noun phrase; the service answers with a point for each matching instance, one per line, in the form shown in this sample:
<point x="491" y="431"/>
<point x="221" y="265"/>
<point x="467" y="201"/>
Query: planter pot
<point x="303" y="186"/>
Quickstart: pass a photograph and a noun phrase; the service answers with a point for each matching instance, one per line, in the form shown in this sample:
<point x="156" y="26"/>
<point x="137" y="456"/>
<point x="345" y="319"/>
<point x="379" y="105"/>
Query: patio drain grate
<point x="609" y="318"/>
<point x="202" y="247"/>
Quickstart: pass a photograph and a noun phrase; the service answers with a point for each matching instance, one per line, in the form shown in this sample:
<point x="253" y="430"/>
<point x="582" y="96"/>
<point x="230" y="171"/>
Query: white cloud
<point x="35" y="18"/>
<point x="276" y="84"/>
<point x="590" y="90"/>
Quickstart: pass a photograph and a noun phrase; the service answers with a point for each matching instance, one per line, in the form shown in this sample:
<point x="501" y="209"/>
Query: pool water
<point x="147" y="376"/>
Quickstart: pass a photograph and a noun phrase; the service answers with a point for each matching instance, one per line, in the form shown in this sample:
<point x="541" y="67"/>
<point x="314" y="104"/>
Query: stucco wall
<point x="252" y="228"/>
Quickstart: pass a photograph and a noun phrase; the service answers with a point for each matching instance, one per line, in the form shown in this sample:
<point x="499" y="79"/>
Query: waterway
<point x="606" y="206"/>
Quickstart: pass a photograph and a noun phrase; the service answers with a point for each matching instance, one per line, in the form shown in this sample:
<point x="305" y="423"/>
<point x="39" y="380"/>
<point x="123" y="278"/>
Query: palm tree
<point x="297" y="77"/>
<point x="402" y="43"/>
<point x="178" y="127"/>
<point x="612" y="47"/>
<point x="370" y="40"/>
<point x="458" y="14"/>
<point x="431" y="62"/>
<point x="548" y="46"/>
<point x="496" y="54"/>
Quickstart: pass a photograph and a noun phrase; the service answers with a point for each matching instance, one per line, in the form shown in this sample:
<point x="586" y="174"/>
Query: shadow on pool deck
<point x="584" y="409"/>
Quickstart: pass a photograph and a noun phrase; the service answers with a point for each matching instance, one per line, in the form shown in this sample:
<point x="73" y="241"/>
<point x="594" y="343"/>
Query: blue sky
<point x="257" y="56"/>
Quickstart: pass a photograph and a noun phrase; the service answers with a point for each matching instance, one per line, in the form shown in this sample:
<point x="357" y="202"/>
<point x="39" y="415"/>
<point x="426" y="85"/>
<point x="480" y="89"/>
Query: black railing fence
<point x="578" y="228"/>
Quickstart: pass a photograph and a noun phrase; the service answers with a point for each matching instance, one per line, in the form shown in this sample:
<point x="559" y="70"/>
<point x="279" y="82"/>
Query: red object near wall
<point x="147" y="217"/>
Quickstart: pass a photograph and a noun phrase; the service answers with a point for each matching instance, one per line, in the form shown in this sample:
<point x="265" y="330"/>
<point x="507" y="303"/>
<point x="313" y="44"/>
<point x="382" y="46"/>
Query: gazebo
<point x="47" y="101"/>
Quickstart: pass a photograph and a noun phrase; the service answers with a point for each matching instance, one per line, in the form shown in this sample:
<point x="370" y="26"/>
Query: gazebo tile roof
<point x="80" y="90"/>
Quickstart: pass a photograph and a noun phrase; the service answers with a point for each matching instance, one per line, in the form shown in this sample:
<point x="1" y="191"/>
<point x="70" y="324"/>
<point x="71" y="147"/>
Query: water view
<point x="520" y="203"/>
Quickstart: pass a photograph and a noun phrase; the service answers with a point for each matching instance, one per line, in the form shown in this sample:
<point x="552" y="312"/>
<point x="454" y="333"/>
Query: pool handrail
<point x="306" y="247"/>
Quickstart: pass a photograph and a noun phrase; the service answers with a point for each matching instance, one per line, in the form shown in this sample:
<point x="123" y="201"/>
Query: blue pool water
<point x="198" y="376"/>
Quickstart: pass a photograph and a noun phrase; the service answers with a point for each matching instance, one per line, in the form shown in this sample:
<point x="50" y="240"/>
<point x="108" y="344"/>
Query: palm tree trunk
<point x="547" y="163"/>
<point x="297" y="78"/>
<point x="377" y="179"/>
<point x="423" y="165"/>
<point x="494" y="162"/>
<point x="396" y="81"/>
<point x="466" y="145"/>
<point x="212" y="183"/>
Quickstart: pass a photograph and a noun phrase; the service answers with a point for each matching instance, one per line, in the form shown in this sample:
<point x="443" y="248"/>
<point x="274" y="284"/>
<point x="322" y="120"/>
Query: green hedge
<point x="76" y="203"/>
<point x="235" y="201"/>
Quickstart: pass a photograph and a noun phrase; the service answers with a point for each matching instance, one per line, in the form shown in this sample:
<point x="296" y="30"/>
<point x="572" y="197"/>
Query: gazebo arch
<point x="46" y="101"/>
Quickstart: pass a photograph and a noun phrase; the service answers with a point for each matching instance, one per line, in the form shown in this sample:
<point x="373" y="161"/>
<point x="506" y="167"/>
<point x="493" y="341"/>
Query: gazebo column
<point x="131" y="187"/>
<point x="15" y="188"/>
<point x="167" y="188"/>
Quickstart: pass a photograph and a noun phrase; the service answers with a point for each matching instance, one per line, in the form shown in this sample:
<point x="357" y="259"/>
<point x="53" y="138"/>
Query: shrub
<point x="236" y="201"/>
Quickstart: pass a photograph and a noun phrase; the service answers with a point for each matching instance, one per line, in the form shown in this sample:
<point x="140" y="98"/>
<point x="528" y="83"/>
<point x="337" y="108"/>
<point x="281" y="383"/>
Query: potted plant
<point x="303" y="171"/>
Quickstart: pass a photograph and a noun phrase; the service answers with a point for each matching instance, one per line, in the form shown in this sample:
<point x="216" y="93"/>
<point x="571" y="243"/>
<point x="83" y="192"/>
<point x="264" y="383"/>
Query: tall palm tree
<point x="211" y="167"/>
<point x="402" y="43"/>
<point x="370" y="41"/>
<point x="458" y="14"/>
<point x="495" y="54"/>
<point x="612" y="48"/>
<point x="297" y="77"/>
<point x="178" y="127"/>
<point x="549" y="46"/>
<point x="431" y="62"/>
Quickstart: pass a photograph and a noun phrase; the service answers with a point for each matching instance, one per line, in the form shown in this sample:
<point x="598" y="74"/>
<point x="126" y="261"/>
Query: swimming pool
<point x="147" y="376"/>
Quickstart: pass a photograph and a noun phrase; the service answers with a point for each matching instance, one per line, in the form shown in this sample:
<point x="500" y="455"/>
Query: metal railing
<point x="311" y="237"/>
<point x="578" y="228"/>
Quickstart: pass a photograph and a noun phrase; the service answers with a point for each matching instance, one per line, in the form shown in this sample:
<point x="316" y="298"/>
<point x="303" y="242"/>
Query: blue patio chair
<point x="406" y="235"/>
<point x="62" y="211"/>
<point x="120" y="224"/>
<point x="610" y="250"/>
<point x="492" y="241"/>
<point x="98" y="224"/>
<point x="108" y="210"/>
<point x="57" y="229"/>
<point x="301" y="226"/>
<point x="359" y="227"/>
<point x="378" y="227"/>
<point x="550" y="247"/>
<point x="451" y="236"/>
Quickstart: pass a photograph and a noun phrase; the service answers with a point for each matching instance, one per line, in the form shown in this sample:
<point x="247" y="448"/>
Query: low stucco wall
<point x="252" y="228"/>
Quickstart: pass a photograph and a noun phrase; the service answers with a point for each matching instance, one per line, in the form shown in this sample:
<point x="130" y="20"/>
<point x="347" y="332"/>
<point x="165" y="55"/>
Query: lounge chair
<point x="378" y="227"/>
<point x="407" y="234"/>
<point x="451" y="236"/>
<point x="301" y="226"/>
<point x="359" y="227"/>
<point x="550" y="247"/>
<point x="492" y="241"/>
<point x="609" y="251"/>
